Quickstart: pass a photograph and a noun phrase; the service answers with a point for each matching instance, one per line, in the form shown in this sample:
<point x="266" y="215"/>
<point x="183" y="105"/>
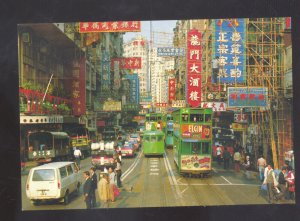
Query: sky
<point x="162" y="31"/>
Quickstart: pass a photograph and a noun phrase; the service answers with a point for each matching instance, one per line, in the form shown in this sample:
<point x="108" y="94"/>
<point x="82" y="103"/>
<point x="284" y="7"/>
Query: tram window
<point x="159" y="118"/>
<point x="153" y="139"/>
<point x="196" y="118"/>
<point x="147" y="138"/>
<point x="159" y="138"/>
<point x="186" y="148"/>
<point x="170" y="133"/>
<point x="196" y="148"/>
<point x="185" y="117"/>
<point x="207" y="117"/>
<point x="205" y="148"/>
<point x="57" y="144"/>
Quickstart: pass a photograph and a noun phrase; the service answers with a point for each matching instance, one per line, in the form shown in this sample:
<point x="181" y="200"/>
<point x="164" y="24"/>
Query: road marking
<point x="184" y="190"/>
<point x="226" y="180"/>
<point x="154" y="169"/>
<point x="132" y="167"/>
<point x="153" y="166"/>
<point x="155" y="174"/>
<point x="214" y="170"/>
<point x="217" y="184"/>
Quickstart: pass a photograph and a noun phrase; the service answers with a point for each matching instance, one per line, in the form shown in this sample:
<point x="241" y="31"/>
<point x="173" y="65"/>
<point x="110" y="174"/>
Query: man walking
<point x="87" y="189"/>
<point x="219" y="154"/>
<point x="94" y="179"/>
<point x="226" y="156"/>
<point x="261" y="164"/>
<point x="77" y="155"/>
<point x="271" y="182"/>
<point x="282" y="183"/>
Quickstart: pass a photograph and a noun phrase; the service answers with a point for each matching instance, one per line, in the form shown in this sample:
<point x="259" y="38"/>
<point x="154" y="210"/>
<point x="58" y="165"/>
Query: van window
<point x="70" y="170"/>
<point x="63" y="172"/>
<point x="43" y="175"/>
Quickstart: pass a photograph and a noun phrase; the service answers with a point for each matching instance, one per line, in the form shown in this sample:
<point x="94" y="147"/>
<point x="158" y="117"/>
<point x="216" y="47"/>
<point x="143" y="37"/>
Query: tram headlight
<point x="34" y="153"/>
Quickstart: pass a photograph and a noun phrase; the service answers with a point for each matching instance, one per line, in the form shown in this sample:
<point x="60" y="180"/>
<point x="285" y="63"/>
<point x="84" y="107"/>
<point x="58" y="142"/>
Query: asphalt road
<point x="154" y="182"/>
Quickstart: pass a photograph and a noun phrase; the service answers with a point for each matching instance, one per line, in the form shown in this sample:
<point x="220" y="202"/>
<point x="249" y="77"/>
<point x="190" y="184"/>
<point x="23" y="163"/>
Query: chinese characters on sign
<point x="112" y="106"/>
<point x="160" y="104"/>
<point x="168" y="51"/>
<point x="194" y="58"/>
<point x="105" y="75"/>
<point x="178" y="103"/>
<point x="117" y="26"/>
<point x="78" y="87"/>
<point x="134" y="87"/>
<point x="247" y="96"/>
<point x="128" y="63"/>
<point x="172" y="90"/>
<point x="216" y="106"/>
<point x="196" y="131"/>
<point x="230" y="48"/>
<point x="241" y="118"/>
<point x="117" y="81"/>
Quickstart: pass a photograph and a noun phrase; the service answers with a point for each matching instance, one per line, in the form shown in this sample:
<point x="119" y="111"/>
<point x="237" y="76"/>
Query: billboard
<point x="105" y="72"/>
<point x="229" y="49"/>
<point x="112" y="106"/>
<point x="216" y="106"/>
<point x="134" y="87"/>
<point x="194" y="61"/>
<point x="247" y="96"/>
<point x="115" y="26"/>
<point x="128" y="63"/>
<point x="172" y="90"/>
<point x="169" y="51"/>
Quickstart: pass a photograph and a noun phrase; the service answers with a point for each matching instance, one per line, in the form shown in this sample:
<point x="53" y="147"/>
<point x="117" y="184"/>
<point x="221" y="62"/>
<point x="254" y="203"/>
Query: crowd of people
<point x="107" y="186"/>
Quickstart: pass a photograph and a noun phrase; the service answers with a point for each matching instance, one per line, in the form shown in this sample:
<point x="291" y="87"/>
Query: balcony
<point x="31" y="103"/>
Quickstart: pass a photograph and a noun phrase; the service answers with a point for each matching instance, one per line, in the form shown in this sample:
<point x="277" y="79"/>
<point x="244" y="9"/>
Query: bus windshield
<point x="39" y="141"/>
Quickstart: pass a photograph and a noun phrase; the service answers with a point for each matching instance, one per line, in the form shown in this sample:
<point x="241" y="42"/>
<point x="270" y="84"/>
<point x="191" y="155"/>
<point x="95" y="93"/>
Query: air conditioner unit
<point x="26" y="37"/>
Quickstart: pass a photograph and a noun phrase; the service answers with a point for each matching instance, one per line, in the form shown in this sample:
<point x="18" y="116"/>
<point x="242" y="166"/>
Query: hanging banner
<point x="229" y="50"/>
<point x="116" y="26"/>
<point x="105" y="72"/>
<point x="216" y="106"/>
<point x="247" y="96"/>
<point x="194" y="59"/>
<point x="172" y="90"/>
<point x="134" y="87"/>
<point x="117" y="80"/>
<point x="78" y="87"/>
<point x="128" y="63"/>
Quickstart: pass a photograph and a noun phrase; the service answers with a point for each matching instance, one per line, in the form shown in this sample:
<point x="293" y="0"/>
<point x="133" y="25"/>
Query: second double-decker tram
<point x="153" y="143"/>
<point x="169" y="130"/>
<point x="153" y="121"/>
<point x="193" y="140"/>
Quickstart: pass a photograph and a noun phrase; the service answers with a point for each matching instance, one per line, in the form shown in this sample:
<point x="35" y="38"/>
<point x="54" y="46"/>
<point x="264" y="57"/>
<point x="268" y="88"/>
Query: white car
<point x="53" y="181"/>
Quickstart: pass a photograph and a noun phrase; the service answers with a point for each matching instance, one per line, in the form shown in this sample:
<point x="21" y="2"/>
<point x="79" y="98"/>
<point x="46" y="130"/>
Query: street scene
<point x="130" y="114"/>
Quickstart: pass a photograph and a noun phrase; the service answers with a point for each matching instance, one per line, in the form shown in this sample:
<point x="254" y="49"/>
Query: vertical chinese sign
<point x="105" y="72"/>
<point x="117" y="81"/>
<point x="229" y="48"/>
<point x="134" y="88"/>
<point x="172" y="90"/>
<point x="194" y="59"/>
<point x="78" y="87"/>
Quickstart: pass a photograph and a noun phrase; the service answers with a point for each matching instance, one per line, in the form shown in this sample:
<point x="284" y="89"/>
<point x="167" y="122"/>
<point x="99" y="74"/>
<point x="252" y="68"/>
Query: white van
<point x="53" y="181"/>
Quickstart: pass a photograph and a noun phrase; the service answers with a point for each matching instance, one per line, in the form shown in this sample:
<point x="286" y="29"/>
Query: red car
<point x="128" y="150"/>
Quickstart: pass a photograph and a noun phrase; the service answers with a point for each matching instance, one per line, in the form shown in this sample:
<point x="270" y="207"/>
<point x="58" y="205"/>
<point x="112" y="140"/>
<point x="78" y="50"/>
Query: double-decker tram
<point x="169" y="130"/>
<point x="153" y="142"/>
<point x="193" y="140"/>
<point x="153" y="120"/>
<point x="45" y="146"/>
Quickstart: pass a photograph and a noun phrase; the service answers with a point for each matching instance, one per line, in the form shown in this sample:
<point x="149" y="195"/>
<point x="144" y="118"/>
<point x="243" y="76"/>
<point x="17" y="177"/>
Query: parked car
<point x="53" y="181"/>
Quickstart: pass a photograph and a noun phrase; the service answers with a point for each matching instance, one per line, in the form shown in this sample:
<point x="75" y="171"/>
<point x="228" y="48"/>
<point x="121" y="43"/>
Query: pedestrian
<point x="247" y="163"/>
<point x="87" y="189"/>
<point x="226" y="157"/>
<point x="112" y="183"/>
<point x="118" y="171"/>
<point x="290" y="178"/>
<point x="282" y="183"/>
<point x="77" y="155"/>
<point x="271" y="183"/>
<point x="94" y="179"/>
<point x="237" y="161"/>
<point x="219" y="154"/>
<point x="261" y="164"/>
<point x="103" y="190"/>
<point x="215" y="69"/>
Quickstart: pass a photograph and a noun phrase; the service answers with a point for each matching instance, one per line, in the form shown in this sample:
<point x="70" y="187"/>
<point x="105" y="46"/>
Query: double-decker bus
<point x="193" y="140"/>
<point x="46" y="146"/>
<point x="153" y="142"/>
<point x="153" y="121"/>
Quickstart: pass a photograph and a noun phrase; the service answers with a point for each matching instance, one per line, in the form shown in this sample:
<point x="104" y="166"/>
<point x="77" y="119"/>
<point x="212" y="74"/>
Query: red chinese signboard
<point x="196" y="131"/>
<point x="172" y="90"/>
<point x="194" y="62"/>
<point x="128" y="63"/>
<point x="116" y="26"/>
<point x="78" y="87"/>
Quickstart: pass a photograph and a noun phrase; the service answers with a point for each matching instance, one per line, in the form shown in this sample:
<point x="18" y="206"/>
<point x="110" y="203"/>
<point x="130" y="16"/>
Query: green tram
<point x="153" y="121"/>
<point x="169" y="130"/>
<point x="153" y="142"/>
<point x="193" y="140"/>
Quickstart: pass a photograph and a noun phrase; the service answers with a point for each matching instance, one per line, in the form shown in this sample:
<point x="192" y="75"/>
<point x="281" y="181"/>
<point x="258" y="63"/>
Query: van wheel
<point x="66" y="198"/>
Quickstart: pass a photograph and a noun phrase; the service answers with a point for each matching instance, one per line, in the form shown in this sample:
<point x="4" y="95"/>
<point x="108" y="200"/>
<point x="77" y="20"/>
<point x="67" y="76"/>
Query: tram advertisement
<point x="195" y="162"/>
<point x="196" y="131"/>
